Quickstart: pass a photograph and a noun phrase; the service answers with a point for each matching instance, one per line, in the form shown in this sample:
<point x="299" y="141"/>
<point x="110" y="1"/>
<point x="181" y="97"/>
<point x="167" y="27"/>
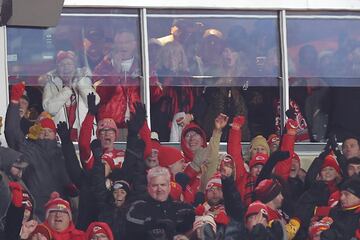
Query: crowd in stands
<point x="150" y="190"/>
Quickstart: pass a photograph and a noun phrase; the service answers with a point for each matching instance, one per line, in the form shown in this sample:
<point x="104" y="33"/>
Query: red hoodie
<point x="193" y="187"/>
<point x="71" y="233"/>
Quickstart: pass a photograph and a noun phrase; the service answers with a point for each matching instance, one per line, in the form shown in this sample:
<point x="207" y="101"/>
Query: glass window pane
<point x="88" y="48"/>
<point x="324" y="60"/>
<point x="212" y="62"/>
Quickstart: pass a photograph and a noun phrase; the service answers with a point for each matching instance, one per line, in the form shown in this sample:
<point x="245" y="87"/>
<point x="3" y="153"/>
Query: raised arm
<point x="213" y="150"/>
<point x="13" y="133"/>
<point x="72" y="163"/>
<point x="283" y="168"/>
<point x="234" y="147"/>
<point x="86" y="156"/>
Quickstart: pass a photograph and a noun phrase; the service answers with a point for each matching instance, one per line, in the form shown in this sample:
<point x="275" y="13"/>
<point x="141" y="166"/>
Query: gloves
<point x="222" y="218"/>
<point x="238" y="122"/>
<point x="137" y="119"/>
<point x="200" y="210"/>
<point x="182" y="179"/>
<point x="17" y="91"/>
<point x="96" y="149"/>
<point x="292" y="228"/>
<point x="201" y="156"/>
<point x="92" y="107"/>
<point x="199" y="199"/>
<point x="16" y="193"/>
<point x="63" y="132"/>
<point x="290" y="113"/>
<point x="280" y="155"/>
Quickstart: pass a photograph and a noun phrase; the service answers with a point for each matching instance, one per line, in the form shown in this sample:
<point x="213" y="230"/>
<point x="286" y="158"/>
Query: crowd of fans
<point x="153" y="191"/>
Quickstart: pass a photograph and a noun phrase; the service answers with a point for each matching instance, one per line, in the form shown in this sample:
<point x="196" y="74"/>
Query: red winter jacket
<point x="71" y="233"/>
<point x="118" y="92"/>
<point x="283" y="168"/>
<point x="244" y="181"/>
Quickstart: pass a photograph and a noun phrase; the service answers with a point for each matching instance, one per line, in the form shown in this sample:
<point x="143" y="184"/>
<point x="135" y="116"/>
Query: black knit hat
<point x="352" y="185"/>
<point x="353" y="160"/>
<point x="121" y="184"/>
<point x="267" y="190"/>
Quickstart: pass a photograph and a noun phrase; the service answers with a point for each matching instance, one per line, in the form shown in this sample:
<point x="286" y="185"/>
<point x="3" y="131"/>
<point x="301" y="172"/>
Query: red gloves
<point x="17" y="91"/>
<point x="17" y="193"/>
<point x="199" y="210"/>
<point x="222" y="218"/>
<point x="238" y="122"/>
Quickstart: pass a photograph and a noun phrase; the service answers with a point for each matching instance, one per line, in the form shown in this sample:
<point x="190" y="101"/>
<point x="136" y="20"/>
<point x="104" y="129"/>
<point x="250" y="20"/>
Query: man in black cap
<point x="353" y="166"/>
<point x="346" y="215"/>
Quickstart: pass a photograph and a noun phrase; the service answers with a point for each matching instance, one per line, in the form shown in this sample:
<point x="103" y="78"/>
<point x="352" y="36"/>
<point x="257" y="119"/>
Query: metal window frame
<point x="145" y="83"/>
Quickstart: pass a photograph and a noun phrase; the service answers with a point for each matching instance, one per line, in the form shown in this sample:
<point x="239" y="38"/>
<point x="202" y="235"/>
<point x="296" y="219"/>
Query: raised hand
<point x="137" y="119"/>
<point x="238" y="122"/>
<point x="63" y="132"/>
<point x="91" y="101"/>
<point x="220" y="121"/>
<point x="96" y="149"/>
<point x="17" y="91"/>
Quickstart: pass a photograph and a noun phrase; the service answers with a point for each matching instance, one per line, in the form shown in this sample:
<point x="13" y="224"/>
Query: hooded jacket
<point x="46" y="172"/>
<point x="8" y="157"/>
<point x="70" y="233"/>
<point x="56" y="97"/>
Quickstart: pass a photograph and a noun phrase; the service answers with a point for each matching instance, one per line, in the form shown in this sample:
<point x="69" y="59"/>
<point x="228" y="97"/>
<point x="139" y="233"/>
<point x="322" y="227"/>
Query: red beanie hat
<point x="169" y="155"/>
<point x="267" y="190"/>
<point x="256" y="207"/>
<point x="65" y="54"/>
<point x="330" y="161"/>
<point x="155" y="144"/>
<point x="107" y="123"/>
<point x="273" y="138"/>
<point x="215" y="181"/>
<point x="48" y="123"/>
<point x="57" y="204"/>
<point x="259" y="158"/>
<point x="99" y="227"/>
<point x="42" y="229"/>
<point x="227" y="160"/>
<point x="175" y="191"/>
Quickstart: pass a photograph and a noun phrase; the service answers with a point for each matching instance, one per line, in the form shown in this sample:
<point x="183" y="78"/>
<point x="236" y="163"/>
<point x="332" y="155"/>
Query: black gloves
<point x="280" y="155"/>
<point x="96" y="149"/>
<point x="63" y="132"/>
<point x="182" y="179"/>
<point x="92" y="107"/>
<point x="290" y="113"/>
<point x="137" y="119"/>
<point x="199" y="199"/>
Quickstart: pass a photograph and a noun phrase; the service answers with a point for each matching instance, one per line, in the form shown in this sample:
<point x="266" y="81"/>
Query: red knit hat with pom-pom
<point x="56" y="203"/>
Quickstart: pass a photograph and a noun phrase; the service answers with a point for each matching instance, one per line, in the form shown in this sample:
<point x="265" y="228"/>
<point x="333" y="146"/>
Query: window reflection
<point x="101" y="51"/>
<point x="209" y="65"/>
<point x="324" y="75"/>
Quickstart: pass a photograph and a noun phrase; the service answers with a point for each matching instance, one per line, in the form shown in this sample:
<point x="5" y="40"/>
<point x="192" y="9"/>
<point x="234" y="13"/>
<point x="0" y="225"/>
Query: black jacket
<point x="151" y="219"/>
<point x="346" y="222"/>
